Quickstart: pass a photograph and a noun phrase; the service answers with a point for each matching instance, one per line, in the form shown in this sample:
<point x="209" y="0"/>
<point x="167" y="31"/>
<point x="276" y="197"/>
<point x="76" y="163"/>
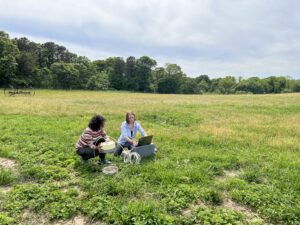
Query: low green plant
<point x="6" y="220"/>
<point x="6" y="177"/>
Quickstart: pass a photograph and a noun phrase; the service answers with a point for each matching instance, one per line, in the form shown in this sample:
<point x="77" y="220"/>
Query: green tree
<point x="98" y="81"/>
<point x="116" y="72"/>
<point x="101" y="65"/>
<point x="26" y="67"/>
<point x="86" y="70"/>
<point x="157" y="75"/>
<point x="274" y="84"/>
<point x="8" y="68"/>
<point x="66" y="74"/>
<point x="130" y="74"/>
<point x="27" y="61"/>
<point x="203" y="86"/>
<point x="8" y="64"/>
<point x="204" y="83"/>
<point x="227" y="85"/>
<point x="252" y="84"/>
<point x="168" y="85"/>
<point x="190" y="86"/>
<point x="43" y="78"/>
<point x="144" y="67"/>
<point x="52" y="53"/>
<point x="172" y="81"/>
<point x="296" y="86"/>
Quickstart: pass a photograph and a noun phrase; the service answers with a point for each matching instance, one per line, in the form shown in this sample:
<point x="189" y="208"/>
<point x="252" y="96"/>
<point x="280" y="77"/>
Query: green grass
<point x="199" y="138"/>
<point x="6" y="177"/>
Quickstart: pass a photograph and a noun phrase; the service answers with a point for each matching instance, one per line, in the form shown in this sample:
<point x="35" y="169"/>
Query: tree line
<point x="24" y="63"/>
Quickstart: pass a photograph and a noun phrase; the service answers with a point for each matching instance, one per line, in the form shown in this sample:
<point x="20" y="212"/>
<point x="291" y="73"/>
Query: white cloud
<point x="216" y="37"/>
<point x="78" y="49"/>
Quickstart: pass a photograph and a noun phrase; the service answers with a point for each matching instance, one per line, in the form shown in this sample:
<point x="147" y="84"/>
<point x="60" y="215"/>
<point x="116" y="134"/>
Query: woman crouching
<point x="86" y="146"/>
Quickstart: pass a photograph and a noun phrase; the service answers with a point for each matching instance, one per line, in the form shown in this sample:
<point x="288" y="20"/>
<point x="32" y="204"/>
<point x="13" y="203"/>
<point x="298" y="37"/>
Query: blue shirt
<point x="126" y="132"/>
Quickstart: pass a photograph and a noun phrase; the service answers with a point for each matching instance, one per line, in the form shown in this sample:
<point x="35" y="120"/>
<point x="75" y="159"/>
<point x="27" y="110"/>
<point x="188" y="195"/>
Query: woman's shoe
<point x="104" y="161"/>
<point x="84" y="161"/>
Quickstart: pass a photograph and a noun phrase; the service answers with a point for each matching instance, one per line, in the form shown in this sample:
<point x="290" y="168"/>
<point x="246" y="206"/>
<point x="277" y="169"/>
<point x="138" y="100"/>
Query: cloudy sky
<point x="214" y="37"/>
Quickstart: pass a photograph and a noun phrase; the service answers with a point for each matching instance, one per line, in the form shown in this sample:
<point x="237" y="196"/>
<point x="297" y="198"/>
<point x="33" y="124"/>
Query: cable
<point x="116" y="142"/>
<point x="129" y="157"/>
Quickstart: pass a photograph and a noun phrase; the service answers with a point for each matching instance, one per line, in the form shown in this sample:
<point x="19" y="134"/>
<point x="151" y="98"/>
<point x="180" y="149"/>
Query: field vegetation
<point x="223" y="159"/>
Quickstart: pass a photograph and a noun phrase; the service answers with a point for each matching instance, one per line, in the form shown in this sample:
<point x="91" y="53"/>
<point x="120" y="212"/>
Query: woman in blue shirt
<point x="129" y="128"/>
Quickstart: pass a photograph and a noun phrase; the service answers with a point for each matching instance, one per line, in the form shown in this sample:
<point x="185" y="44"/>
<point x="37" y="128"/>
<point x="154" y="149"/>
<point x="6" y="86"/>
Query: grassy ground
<point x="230" y="159"/>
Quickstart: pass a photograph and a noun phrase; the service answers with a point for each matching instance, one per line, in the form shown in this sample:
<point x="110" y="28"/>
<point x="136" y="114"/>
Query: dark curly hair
<point x="97" y="122"/>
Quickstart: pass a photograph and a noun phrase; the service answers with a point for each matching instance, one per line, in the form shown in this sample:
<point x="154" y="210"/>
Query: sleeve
<point x="88" y="139"/>
<point x="104" y="134"/>
<point x="141" y="130"/>
<point x="123" y="131"/>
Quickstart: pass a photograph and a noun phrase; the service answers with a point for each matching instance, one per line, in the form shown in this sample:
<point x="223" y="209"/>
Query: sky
<point x="214" y="37"/>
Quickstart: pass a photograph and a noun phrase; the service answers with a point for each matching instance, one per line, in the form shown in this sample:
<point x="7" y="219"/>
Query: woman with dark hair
<point x="86" y="146"/>
<point x="129" y="129"/>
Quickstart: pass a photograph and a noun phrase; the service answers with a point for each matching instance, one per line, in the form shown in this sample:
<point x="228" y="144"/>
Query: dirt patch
<point x="78" y="220"/>
<point x="187" y="212"/>
<point x="30" y="217"/>
<point x="249" y="213"/>
<point x="232" y="173"/>
<point x="5" y="190"/>
<point x="80" y="192"/>
<point x="33" y="218"/>
<point x="229" y="174"/>
<point x="7" y="163"/>
<point x="64" y="186"/>
<point x="245" y="210"/>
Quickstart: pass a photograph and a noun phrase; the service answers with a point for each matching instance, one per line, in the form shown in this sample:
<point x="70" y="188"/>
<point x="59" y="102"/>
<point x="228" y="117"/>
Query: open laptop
<point x="147" y="140"/>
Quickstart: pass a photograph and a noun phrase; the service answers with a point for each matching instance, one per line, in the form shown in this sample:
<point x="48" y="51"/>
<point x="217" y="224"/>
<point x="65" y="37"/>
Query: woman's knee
<point x="118" y="150"/>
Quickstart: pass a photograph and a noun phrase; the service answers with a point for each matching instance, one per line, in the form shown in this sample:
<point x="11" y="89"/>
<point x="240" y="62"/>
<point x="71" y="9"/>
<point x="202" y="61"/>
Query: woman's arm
<point x="87" y="139"/>
<point x="141" y="130"/>
<point x="104" y="135"/>
<point x="124" y="133"/>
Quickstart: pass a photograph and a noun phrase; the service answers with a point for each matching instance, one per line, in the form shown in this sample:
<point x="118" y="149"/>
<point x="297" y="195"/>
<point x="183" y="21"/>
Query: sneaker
<point x="104" y="161"/>
<point x="84" y="161"/>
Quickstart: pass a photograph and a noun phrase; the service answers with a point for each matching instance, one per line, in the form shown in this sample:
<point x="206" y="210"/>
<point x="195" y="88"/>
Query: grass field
<point x="223" y="159"/>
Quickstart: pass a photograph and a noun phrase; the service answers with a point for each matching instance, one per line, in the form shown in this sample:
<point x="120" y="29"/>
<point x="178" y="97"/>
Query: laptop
<point x="147" y="140"/>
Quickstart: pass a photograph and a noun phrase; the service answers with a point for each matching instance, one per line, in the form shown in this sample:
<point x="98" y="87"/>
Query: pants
<point x="119" y="148"/>
<point x="88" y="153"/>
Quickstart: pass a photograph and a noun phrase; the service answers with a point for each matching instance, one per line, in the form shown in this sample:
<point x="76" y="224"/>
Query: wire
<point x="129" y="157"/>
<point x="116" y="142"/>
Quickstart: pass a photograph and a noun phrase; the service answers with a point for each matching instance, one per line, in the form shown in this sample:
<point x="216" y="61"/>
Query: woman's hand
<point x="99" y="147"/>
<point x="134" y="143"/>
